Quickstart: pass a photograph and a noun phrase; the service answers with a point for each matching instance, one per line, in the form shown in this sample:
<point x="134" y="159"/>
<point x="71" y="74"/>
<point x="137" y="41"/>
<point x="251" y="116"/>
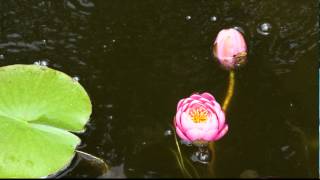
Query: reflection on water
<point x="137" y="59"/>
<point x="264" y="29"/>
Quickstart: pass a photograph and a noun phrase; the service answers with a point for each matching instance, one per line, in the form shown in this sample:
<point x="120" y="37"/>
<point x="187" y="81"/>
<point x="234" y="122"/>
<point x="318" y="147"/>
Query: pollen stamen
<point x="199" y="115"/>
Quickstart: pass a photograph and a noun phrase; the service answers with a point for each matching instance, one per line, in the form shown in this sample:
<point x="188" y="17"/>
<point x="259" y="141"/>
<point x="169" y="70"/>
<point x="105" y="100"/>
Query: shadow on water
<point x="137" y="59"/>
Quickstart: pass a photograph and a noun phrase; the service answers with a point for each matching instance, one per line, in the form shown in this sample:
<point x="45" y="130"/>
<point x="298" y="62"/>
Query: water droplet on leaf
<point x="41" y="63"/>
<point x="76" y="78"/>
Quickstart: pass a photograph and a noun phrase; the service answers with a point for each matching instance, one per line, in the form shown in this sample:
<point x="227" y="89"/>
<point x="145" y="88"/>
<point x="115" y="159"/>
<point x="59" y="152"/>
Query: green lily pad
<point x="39" y="108"/>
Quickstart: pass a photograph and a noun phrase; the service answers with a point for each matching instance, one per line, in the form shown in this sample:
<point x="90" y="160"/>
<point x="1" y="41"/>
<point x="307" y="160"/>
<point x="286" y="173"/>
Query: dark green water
<point x="136" y="59"/>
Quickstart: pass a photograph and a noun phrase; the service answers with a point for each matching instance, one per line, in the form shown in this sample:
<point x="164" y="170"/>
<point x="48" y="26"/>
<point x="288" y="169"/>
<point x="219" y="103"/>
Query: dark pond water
<point x="136" y="59"/>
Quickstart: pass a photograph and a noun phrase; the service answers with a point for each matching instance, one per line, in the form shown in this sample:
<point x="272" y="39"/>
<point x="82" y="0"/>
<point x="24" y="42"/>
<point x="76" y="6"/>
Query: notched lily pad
<point x="39" y="108"/>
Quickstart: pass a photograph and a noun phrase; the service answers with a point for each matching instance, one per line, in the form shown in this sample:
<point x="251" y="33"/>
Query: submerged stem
<point x="181" y="160"/>
<point x="211" y="162"/>
<point x="179" y="151"/>
<point x="183" y="170"/>
<point x="193" y="168"/>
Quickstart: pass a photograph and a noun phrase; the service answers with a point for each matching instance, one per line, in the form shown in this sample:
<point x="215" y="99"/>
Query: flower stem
<point x="179" y="151"/>
<point x="226" y="103"/>
<point x="181" y="160"/>
<point x="184" y="172"/>
<point x="229" y="95"/>
<point x="211" y="162"/>
<point x="181" y="163"/>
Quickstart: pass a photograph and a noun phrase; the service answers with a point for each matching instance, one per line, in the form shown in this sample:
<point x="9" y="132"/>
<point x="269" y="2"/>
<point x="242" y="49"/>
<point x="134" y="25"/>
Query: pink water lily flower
<point x="200" y="119"/>
<point x="230" y="48"/>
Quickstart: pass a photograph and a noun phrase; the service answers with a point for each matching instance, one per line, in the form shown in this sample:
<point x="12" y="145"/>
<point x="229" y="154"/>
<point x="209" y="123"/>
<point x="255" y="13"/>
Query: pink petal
<point x="183" y="102"/>
<point x="212" y="122"/>
<point x="194" y="103"/>
<point x="221" y="118"/>
<point x="185" y="107"/>
<point x="240" y="44"/>
<point x="186" y="122"/>
<point x="220" y="114"/>
<point x="220" y="36"/>
<point x="214" y="113"/>
<point x="208" y="96"/>
<point x="195" y="96"/>
<point x="188" y="100"/>
<point x="210" y="135"/>
<point x="210" y="106"/>
<point x="178" y="119"/>
<point x="222" y="132"/>
<point x="180" y="104"/>
<point x="181" y="134"/>
<point x="195" y="134"/>
<point x="204" y="100"/>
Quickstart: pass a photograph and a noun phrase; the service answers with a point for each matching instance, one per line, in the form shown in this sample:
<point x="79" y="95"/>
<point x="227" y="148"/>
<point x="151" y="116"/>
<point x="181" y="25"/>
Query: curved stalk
<point x="180" y="158"/>
<point x="229" y="95"/>
<point x="179" y="151"/>
<point x="184" y="172"/>
<point x="225" y="105"/>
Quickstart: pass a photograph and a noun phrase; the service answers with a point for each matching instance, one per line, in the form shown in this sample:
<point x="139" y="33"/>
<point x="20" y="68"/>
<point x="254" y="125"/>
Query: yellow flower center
<point x="199" y="115"/>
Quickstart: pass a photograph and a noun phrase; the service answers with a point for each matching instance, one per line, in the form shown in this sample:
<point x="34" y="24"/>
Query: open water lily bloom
<point x="200" y="119"/>
<point x="230" y="48"/>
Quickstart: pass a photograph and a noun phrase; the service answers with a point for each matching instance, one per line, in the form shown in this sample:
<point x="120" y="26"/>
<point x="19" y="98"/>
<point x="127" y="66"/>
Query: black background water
<point x="136" y="59"/>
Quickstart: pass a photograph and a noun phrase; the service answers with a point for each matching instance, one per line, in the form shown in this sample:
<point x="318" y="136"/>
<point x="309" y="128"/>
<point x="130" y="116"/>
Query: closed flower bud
<point x="230" y="48"/>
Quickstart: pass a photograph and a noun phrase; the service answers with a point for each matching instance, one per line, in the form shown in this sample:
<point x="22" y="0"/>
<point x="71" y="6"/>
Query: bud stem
<point x="229" y="92"/>
<point x="224" y="107"/>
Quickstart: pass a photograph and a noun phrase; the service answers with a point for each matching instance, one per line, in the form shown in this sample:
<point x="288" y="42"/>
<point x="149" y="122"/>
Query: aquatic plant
<point x="230" y="48"/>
<point x="39" y="108"/>
<point x="200" y="119"/>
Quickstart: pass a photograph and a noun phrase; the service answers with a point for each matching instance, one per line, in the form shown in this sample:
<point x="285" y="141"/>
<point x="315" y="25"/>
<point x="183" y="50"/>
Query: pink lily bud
<point x="230" y="48"/>
<point x="200" y="119"/>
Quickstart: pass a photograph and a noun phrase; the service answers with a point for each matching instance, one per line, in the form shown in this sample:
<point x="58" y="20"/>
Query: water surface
<point x="136" y="59"/>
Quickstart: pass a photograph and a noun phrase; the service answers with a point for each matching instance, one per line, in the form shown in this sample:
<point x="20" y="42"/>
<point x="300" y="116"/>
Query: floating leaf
<point x="39" y="108"/>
